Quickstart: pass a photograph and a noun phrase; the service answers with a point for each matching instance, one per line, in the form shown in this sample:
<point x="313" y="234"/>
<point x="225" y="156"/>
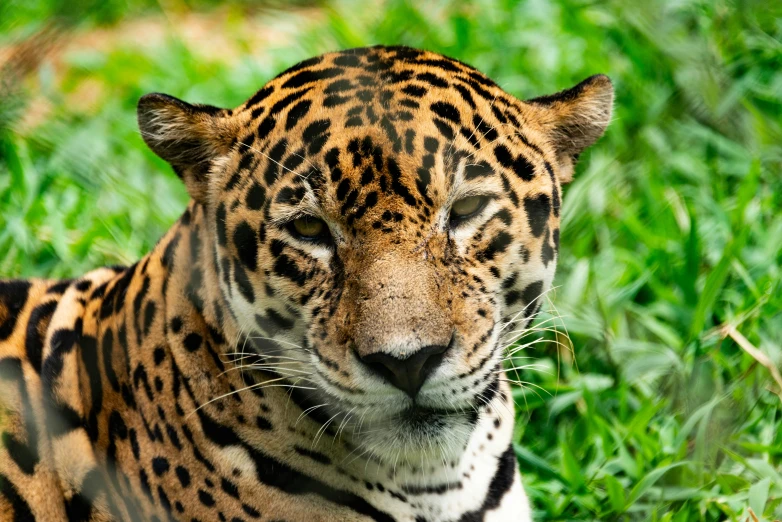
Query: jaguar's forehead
<point x="394" y="80"/>
<point x="382" y="126"/>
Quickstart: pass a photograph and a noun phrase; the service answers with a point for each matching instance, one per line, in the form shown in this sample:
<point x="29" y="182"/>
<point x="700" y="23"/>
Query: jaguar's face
<point x="381" y="217"/>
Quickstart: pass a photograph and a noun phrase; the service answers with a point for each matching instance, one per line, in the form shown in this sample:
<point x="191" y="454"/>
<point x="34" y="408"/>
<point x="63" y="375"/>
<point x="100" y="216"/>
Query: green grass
<point x="671" y="229"/>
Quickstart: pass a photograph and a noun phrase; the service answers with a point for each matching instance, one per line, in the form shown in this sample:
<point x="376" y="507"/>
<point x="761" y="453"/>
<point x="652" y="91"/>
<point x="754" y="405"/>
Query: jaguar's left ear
<point x="190" y="137"/>
<point x="575" y="118"/>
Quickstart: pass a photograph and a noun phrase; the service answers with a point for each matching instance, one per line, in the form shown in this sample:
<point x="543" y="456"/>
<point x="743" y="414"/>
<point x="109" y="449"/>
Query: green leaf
<point x="731" y="483"/>
<point x="532" y="460"/>
<point x="696" y="417"/>
<point x="758" y="496"/>
<point x="571" y="468"/>
<point x="616" y="493"/>
<point x="765" y="470"/>
<point x="649" y="480"/>
<point x="711" y="289"/>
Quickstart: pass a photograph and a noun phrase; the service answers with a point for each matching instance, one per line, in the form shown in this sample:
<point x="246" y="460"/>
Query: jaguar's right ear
<point x="190" y="137"/>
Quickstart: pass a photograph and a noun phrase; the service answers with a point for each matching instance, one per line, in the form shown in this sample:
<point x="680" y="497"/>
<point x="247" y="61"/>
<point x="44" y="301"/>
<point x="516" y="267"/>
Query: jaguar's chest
<point x="215" y="464"/>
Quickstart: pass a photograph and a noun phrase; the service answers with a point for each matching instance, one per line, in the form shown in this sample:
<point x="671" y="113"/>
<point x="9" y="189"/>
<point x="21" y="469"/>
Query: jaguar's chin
<point x="417" y="436"/>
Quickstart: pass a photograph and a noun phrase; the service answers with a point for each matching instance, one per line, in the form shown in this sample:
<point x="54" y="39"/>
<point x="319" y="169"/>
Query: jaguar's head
<point x="377" y="216"/>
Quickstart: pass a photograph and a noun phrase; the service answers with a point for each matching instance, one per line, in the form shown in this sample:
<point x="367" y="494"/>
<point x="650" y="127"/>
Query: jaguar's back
<point x="318" y="336"/>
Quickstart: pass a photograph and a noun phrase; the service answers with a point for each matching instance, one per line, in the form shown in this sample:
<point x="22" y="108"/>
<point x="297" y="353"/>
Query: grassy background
<point x="670" y="282"/>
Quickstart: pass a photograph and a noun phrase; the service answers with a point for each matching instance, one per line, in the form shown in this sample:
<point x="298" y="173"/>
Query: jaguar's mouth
<point x="418" y="434"/>
<point x="420" y="415"/>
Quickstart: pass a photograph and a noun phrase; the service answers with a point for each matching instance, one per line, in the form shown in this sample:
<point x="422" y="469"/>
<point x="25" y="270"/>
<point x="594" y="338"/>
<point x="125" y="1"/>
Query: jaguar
<point x="318" y="336"/>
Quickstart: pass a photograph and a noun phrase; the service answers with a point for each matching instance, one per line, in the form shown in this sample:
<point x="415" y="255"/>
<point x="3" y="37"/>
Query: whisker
<point x="253" y="386"/>
<point x="525" y="384"/>
<point x="512" y="352"/>
<point x="272" y="160"/>
<point x="536" y="327"/>
<point x="323" y="428"/>
<point x="311" y="408"/>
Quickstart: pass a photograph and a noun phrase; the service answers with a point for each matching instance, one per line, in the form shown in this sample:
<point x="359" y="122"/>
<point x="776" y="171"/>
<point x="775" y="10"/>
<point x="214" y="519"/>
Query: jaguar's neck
<point x="189" y="261"/>
<point x="162" y="320"/>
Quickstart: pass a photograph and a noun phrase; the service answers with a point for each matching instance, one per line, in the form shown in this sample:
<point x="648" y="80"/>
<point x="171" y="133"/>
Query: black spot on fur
<point x="445" y="129"/>
<point x="246" y="245"/>
<point x="229" y="487"/>
<point x="432" y="79"/>
<point x="176" y="324"/>
<point x="482" y="127"/>
<point x="347" y="60"/>
<point x="263" y="423"/>
<point x="293" y="161"/>
<point x="21" y="509"/>
<point x="243" y="282"/>
<point x="390" y="131"/>
<point x="220" y="217"/>
<point x="266" y="126"/>
<point x="193" y="342"/>
<point x="532" y="292"/>
<point x="367" y="176"/>
<point x="160" y="466"/>
<point x="342" y="189"/>
<point x="286" y="267"/>
<point x="279" y="320"/>
<point x="414" y="90"/>
<point x="159" y="354"/>
<point x="259" y="96"/>
<point x="447" y="111"/>
<point x="296" y="113"/>
<point x="25" y="456"/>
<point x="477" y="170"/>
<point x="183" y="475"/>
<point x="314" y="455"/>
<point x="503" y="155"/>
<point x="13" y="297"/>
<point x="273" y="161"/>
<point x="36" y="332"/>
<point x="538" y="209"/>
<point x="149" y="316"/>
<point x="309" y="76"/>
<point x="498" y="245"/>
<point x="499" y="486"/>
<point x="523" y="168"/>
<point x="396" y="183"/>
<point x="546" y="251"/>
<point x="254" y="513"/>
<point x="256" y="197"/>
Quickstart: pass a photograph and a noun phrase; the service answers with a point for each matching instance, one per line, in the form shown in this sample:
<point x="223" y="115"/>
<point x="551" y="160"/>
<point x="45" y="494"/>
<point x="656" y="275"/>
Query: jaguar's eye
<point x="467" y="207"/>
<point x="309" y="228"/>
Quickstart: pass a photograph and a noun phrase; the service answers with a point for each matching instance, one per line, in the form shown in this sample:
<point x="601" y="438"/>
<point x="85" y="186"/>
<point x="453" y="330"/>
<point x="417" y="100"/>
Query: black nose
<point x="406" y="374"/>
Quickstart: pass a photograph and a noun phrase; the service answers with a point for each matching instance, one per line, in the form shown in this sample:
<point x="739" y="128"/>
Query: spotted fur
<point x="242" y="372"/>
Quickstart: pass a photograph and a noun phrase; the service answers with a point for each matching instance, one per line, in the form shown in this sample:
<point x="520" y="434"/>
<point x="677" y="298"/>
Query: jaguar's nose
<point x="408" y="374"/>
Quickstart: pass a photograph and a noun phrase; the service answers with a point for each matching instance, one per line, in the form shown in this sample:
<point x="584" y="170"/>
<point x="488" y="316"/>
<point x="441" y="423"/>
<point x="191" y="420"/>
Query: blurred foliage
<point x="671" y="229"/>
<point x="26" y="15"/>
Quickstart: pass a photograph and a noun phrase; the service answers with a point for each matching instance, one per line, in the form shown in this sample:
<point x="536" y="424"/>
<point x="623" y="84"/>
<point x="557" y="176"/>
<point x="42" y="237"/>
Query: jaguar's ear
<point x="189" y="137"/>
<point x="575" y="118"/>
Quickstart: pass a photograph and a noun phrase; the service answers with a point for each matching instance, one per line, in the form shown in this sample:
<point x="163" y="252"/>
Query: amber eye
<point x="308" y="227"/>
<point x="467" y="207"/>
